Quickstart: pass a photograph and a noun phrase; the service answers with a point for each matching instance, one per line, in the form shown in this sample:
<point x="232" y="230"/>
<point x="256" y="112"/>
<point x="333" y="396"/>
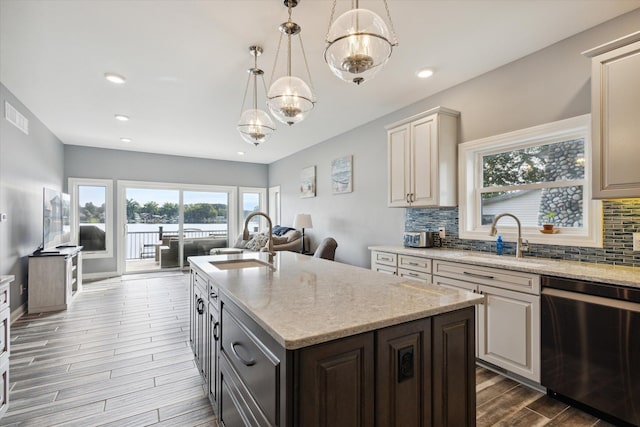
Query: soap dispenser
<point x="499" y="245"/>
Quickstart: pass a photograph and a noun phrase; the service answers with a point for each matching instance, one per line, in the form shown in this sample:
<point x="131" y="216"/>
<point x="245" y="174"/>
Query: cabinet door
<point x="616" y="128"/>
<point x="424" y="162"/>
<point x="399" y="177"/>
<point x="212" y="355"/>
<point x="336" y="383"/>
<point x="509" y="331"/>
<point x="403" y="382"/>
<point x="454" y="374"/>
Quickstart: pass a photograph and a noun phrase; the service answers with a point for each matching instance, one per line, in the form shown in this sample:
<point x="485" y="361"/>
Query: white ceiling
<point x="185" y="63"/>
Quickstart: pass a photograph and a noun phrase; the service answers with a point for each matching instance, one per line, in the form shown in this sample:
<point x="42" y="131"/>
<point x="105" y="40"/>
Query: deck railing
<point x="142" y="244"/>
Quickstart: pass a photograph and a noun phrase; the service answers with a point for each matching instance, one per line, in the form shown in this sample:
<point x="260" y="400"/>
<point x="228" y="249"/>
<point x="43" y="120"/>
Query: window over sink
<point x="541" y="175"/>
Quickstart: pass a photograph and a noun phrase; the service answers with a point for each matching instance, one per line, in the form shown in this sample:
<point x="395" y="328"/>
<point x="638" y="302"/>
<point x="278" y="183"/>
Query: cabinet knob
<point x="200" y="307"/>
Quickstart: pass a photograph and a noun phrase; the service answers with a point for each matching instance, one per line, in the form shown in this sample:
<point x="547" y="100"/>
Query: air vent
<point x="15" y="118"/>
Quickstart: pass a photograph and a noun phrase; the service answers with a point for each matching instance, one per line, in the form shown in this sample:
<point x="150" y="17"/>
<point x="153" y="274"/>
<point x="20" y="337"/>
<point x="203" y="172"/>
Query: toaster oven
<point x="418" y="239"/>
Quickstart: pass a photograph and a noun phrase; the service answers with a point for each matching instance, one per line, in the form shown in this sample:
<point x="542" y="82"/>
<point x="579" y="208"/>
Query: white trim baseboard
<point x="18" y="313"/>
<point x="98" y="276"/>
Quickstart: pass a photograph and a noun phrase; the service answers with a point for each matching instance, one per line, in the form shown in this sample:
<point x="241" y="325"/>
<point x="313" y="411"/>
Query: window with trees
<point x="539" y="174"/>
<point x="91" y="201"/>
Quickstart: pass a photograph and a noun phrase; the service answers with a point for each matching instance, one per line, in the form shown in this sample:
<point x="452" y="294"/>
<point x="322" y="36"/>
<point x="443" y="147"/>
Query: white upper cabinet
<point x="422" y="156"/>
<point x="615" y="107"/>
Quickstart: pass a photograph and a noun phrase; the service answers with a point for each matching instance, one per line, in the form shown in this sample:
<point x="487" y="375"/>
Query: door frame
<point x="121" y="200"/>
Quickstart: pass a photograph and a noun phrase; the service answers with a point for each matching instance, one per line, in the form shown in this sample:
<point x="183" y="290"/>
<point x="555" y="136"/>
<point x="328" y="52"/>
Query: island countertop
<point x="302" y="301"/>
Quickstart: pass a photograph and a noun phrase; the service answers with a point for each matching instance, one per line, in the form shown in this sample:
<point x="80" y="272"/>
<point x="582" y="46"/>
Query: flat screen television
<point x="56" y="224"/>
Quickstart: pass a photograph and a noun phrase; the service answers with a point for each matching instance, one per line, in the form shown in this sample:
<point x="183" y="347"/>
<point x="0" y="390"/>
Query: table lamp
<point x="302" y="221"/>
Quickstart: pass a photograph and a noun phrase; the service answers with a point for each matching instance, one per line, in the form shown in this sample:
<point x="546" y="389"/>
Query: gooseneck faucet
<point x="520" y="247"/>
<point x="245" y="232"/>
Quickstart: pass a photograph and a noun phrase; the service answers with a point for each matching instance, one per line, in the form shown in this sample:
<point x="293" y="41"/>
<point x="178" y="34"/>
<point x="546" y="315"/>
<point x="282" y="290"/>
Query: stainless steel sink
<point x="234" y="264"/>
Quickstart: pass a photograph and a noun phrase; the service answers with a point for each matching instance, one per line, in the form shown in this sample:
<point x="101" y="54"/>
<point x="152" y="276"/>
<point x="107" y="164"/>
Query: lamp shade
<point x="302" y="221"/>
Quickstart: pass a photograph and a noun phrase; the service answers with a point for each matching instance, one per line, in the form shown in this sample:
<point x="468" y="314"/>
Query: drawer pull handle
<point x="481" y="276"/>
<point x="413" y="263"/>
<point x="216" y="337"/>
<point x="213" y="295"/>
<point x="200" y="306"/>
<point x="413" y="274"/>
<point x="245" y="362"/>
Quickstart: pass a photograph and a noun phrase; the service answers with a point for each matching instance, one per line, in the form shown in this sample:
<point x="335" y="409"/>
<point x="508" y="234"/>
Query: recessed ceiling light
<point x="240" y="153"/>
<point x="125" y="139"/>
<point x="115" y="78"/>
<point x="425" y="73"/>
<point x="122" y="117"/>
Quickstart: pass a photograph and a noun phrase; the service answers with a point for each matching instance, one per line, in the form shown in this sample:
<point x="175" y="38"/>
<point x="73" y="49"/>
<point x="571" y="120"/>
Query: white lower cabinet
<point x="508" y="331"/>
<point x="508" y="322"/>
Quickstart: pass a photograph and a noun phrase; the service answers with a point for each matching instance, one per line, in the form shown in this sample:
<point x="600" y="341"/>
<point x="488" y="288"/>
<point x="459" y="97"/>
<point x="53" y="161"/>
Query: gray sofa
<point x="192" y="247"/>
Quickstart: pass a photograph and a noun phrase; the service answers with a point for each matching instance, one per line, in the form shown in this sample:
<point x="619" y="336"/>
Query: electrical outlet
<point x="636" y="242"/>
<point x="441" y="233"/>
<point x="3" y="217"/>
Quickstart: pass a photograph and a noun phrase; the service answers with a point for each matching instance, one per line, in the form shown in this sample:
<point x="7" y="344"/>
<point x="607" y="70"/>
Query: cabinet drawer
<point x="415" y="263"/>
<point x="257" y="366"/>
<point x="455" y="284"/>
<point x="385" y="258"/>
<point x="4" y="296"/>
<point x="199" y="280"/>
<point x="417" y="275"/>
<point x="237" y="408"/>
<point x="505" y="279"/>
<point x="381" y="268"/>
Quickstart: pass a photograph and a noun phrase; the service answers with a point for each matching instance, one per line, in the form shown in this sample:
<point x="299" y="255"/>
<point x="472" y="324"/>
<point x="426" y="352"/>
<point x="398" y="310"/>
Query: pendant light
<point x="359" y="43"/>
<point x="255" y="126"/>
<point x="290" y="98"/>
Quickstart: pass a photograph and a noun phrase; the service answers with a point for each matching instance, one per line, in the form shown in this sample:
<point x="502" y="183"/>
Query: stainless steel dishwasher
<point x="590" y="339"/>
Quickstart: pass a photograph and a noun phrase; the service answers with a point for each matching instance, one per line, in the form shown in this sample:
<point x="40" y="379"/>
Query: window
<point x="253" y="200"/>
<point x="541" y="175"/>
<point x="92" y="223"/>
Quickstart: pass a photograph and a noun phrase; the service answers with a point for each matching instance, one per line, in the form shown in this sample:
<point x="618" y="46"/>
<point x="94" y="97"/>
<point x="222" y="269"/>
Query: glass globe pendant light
<point x="359" y="44"/>
<point x="255" y="126"/>
<point x="290" y="98"/>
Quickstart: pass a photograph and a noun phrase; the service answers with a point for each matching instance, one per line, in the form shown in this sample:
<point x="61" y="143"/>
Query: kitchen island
<point x="305" y="341"/>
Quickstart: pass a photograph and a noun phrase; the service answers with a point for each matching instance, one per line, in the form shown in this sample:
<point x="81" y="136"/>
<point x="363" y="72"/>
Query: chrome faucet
<point x="245" y="232"/>
<point x="520" y="247"/>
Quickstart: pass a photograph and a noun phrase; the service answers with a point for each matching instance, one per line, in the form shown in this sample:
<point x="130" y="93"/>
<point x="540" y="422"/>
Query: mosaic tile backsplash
<point x="621" y="218"/>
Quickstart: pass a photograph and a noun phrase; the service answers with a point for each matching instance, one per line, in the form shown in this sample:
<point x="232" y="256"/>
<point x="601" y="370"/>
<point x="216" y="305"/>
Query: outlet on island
<point x="441" y="233"/>
<point x="636" y="242"/>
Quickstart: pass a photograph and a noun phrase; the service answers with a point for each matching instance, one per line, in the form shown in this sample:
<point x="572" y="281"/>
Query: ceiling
<point x="185" y="63"/>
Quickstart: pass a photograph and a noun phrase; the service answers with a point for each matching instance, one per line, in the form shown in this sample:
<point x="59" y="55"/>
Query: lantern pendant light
<point x="255" y="126"/>
<point x="290" y="98"/>
<point x="359" y="43"/>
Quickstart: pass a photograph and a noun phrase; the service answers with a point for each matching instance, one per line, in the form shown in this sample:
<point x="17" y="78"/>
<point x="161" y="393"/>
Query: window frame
<point x="470" y="163"/>
<point x="73" y="185"/>
<point x="262" y="194"/>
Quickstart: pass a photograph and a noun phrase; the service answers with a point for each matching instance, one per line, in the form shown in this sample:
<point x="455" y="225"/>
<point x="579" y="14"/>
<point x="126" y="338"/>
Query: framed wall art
<point x="342" y="175"/>
<point x="308" y="182"/>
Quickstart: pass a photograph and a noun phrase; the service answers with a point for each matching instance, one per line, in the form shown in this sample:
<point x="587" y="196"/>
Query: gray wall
<point x="28" y="163"/>
<point x="87" y="162"/>
<point x="549" y="85"/>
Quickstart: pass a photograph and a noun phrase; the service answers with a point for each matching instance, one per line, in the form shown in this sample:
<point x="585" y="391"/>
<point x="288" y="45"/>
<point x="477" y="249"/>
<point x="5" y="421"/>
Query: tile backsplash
<point x="621" y="219"/>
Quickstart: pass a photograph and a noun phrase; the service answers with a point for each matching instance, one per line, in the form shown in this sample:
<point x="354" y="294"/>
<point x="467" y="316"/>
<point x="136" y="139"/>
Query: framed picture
<point x="342" y="175"/>
<point x="308" y="182"/>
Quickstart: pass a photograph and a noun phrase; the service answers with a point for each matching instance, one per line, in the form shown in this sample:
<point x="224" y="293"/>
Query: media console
<point x="54" y="278"/>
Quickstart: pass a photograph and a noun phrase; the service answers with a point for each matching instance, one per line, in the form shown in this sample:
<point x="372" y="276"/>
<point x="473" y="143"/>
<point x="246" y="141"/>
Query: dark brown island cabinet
<point x="419" y="373"/>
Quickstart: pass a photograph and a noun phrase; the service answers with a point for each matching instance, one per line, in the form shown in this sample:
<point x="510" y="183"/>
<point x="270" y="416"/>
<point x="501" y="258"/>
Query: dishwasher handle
<point x="593" y="299"/>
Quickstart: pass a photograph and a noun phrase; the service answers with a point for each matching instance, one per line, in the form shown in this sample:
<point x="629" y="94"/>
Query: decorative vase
<point x="547" y="227"/>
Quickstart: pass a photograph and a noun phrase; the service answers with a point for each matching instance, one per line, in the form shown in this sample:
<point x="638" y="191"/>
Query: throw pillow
<point x="257" y="242"/>
<point x="281" y="230"/>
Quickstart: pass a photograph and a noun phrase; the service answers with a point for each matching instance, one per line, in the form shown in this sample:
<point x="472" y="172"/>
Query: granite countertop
<point x="301" y="300"/>
<point x="603" y="273"/>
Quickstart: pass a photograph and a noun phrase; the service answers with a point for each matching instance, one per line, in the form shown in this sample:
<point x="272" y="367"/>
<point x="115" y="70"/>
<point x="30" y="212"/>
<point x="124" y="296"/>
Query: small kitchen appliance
<point x="418" y="239"/>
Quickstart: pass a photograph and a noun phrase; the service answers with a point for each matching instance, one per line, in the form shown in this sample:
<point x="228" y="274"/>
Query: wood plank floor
<point x="120" y="357"/>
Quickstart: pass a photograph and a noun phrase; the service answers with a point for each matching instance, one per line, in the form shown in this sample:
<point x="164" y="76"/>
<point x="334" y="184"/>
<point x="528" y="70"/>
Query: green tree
<point x="150" y="208"/>
<point x="133" y="207"/>
<point x="169" y="210"/>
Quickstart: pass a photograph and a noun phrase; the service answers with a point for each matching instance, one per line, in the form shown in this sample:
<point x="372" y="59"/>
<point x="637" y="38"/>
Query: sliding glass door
<point x="164" y="224"/>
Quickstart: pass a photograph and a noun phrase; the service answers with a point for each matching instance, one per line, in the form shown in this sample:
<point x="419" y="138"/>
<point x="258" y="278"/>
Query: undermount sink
<point x="234" y="264"/>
